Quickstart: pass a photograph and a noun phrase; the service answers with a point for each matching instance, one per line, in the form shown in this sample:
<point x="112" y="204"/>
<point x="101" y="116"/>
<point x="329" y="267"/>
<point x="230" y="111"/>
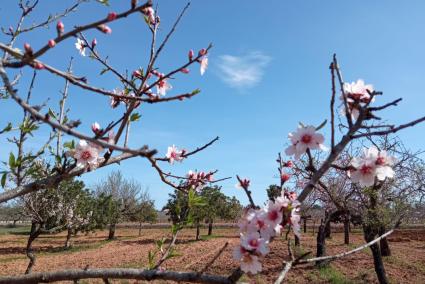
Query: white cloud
<point x="242" y="72"/>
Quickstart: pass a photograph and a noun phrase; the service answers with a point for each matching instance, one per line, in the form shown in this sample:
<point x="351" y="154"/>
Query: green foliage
<point x="273" y="192"/>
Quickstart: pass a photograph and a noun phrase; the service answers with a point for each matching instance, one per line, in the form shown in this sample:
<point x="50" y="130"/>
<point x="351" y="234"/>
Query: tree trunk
<point x="328" y="229"/>
<point x="68" y="238"/>
<point x="384" y="245"/>
<point x="35" y="232"/>
<point x="297" y="241"/>
<point x="369" y="236"/>
<point x="321" y="243"/>
<point x="347" y="230"/>
<point x="197" y="231"/>
<point x="314" y="227"/>
<point x="305" y="225"/>
<point x="140" y="229"/>
<point x="111" y="231"/>
<point x="210" y="227"/>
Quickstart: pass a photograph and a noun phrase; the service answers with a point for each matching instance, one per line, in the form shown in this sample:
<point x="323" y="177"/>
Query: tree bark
<point x="305" y="225"/>
<point x="328" y="229"/>
<point x="210" y="227"/>
<point x="112" y="231"/>
<point x="347" y="230"/>
<point x="197" y="231"/>
<point x="369" y="236"/>
<point x="68" y="238"/>
<point x="321" y="243"/>
<point x="297" y="241"/>
<point x="384" y="245"/>
<point x="140" y="229"/>
<point x="35" y="232"/>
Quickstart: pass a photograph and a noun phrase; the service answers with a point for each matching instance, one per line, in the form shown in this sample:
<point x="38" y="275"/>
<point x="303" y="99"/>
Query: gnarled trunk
<point x="321" y="243"/>
<point x="140" y="229"/>
<point x="35" y="232"/>
<point x="198" y="231"/>
<point x="210" y="227"/>
<point x="68" y="238"/>
<point x="347" y="230"/>
<point x="370" y="235"/>
<point x="383" y="243"/>
<point x="328" y="229"/>
<point x="111" y="235"/>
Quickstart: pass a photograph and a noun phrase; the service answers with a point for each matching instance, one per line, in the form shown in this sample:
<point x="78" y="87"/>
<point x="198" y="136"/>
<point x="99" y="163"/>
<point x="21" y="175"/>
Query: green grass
<point x="19" y="230"/>
<point x="333" y="276"/>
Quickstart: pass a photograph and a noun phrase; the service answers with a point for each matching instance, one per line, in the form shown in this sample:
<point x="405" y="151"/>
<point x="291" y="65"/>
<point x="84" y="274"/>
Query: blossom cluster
<point x="372" y="164"/>
<point x="357" y="94"/>
<point x="197" y="180"/>
<point x="174" y="154"/>
<point x="259" y="226"/>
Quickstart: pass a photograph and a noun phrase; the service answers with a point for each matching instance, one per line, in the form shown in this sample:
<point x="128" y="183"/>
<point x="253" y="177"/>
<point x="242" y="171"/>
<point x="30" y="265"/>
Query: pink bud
<point x="191" y="54"/>
<point x="93" y="43"/>
<point x="104" y="29"/>
<point x="284" y="177"/>
<point x="38" y="66"/>
<point x="136" y="73"/>
<point x="184" y="70"/>
<point x="52" y="43"/>
<point x="60" y="27"/>
<point x="28" y="48"/>
<point x="95" y="127"/>
<point x="202" y="52"/>
<point x="289" y="164"/>
<point x="112" y="16"/>
<point x="11" y="30"/>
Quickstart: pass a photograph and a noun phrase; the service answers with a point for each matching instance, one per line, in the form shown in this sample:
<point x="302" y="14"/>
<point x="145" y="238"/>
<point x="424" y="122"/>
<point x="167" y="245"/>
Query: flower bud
<point x="112" y="16"/>
<point x="38" y="66"/>
<point x="284" y="177"/>
<point x="93" y="43"/>
<point x="184" y="70"/>
<point x="28" y="49"/>
<point x="202" y="52"/>
<point x="191" y="54"/>
<point x="60" y="28"/>
<point x="104" y="29"/>
<point x="133" y="4"/>
<point x="51" y="43"/>
<point x="95" y="127"/>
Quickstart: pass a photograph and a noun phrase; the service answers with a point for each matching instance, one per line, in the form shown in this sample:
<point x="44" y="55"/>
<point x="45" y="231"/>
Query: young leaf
<point x="3" y="180"/>
<point x="321" y="125"/>
<point x="135" y="117"/>
<point x="11" y="160"/>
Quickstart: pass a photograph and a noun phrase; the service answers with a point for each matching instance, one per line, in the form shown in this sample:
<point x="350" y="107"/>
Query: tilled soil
<point x="406" y="265"/>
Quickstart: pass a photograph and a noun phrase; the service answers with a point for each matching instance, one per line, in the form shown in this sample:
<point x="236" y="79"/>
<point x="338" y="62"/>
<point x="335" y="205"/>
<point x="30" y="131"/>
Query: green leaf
<point x="321" y="125"/>
<point x="3" y="180"/>
<point x="104" y="2"/>
<point x="104" y="71"/>
<point x="52" y="114"/>
<point x="11" y="160"/>
<point x="69" y="144"/>
<point x="195" y="92"/>
<point x="135" y="116"/>
<point x="7" y="128"/>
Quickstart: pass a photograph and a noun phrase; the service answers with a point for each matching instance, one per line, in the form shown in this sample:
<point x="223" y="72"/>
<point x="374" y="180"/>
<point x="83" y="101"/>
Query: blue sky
<point x="268" y="71"/>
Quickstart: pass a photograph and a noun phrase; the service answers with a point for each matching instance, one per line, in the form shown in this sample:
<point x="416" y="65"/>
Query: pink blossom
<point x="204" y="65"/>
<point x="28" y="48"/>
<point x="284" y="177"/>
<point x="304" y="138"/>
<point x="357" y="91"/>
<point x="191" y="54"/>
<point x="81" y="46"/>
<point x="86" y="155"/>
<point x="174" y="154"/>
<point x="163" y="87"/>
<point x="273" y="215"/>
<point x="252" y="241"/>
<point x="184" y="70"/>
<point x="250" y="264"/>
